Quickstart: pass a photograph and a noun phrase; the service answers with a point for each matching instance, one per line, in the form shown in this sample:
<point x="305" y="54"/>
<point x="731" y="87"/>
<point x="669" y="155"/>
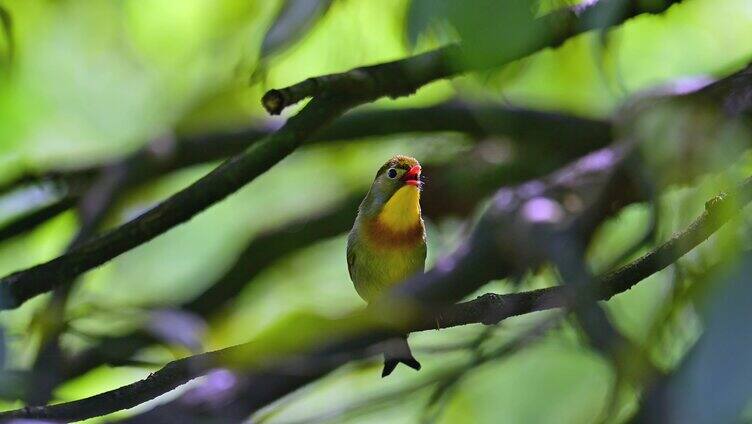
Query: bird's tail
<point x="397" y="350"/>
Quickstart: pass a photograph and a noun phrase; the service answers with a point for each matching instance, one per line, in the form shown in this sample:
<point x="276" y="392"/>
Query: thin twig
<point x="29" y="221"/>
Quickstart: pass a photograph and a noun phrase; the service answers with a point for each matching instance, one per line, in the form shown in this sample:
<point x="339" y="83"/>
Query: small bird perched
<point x="387" y="243"/>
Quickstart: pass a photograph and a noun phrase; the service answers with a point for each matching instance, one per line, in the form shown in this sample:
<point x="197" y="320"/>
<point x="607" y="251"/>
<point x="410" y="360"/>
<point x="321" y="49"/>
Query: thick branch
<point x="554" y="28"/>
<point x="486" y="309"/>
<point x="369" y="81"/>
<point x="171" y="376"/>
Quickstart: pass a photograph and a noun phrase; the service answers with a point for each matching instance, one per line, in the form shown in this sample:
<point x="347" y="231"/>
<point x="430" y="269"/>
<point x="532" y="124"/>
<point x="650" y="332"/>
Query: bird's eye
<point x="391" y="173"/>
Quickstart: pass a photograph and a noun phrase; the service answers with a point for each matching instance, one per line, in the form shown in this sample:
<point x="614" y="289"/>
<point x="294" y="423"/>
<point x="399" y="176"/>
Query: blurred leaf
<point x="27" y="199"/>
<point x="546" y="383"/>
<point x="7" y="26"/>
<point x="618" y="235"/>
<point x="426" y="16"/>
<point x="492" y="31"/>
<point x="585" y="77"/>
<point x="714" y="384"/>
<point x="295" y="18"/>
<point x="354" y="33"/>
<point x="297" y="332"/>
<point x="95" y="80"/>
<point x="607" y="13"/>
<point x="704" y="137"/>
<point x="3" y="352"/>
<point x="175" y="327"/>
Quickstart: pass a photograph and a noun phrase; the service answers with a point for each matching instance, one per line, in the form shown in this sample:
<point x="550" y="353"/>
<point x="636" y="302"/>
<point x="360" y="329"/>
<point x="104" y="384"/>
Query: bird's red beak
<point x="412" y="177"/>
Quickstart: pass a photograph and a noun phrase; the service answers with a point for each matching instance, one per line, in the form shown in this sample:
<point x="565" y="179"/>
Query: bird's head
<point x="399" y="178"/>
<point x="397" y="173"/>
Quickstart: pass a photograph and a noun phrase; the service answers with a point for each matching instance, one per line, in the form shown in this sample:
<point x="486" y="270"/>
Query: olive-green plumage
<point x="387" y="243"/>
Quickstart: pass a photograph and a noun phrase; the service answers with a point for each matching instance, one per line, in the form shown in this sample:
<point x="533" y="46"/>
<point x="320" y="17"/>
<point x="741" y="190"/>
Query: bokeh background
<point x="86" y="83"/>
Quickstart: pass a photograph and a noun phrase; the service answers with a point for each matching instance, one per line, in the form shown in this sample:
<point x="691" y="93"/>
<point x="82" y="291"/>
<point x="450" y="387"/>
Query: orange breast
<point x="379" y="234"/>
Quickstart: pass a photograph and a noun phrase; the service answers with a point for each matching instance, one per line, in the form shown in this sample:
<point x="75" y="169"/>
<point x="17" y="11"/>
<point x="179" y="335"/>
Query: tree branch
<point x="555" y="28"/>
<point x="28" y="222"/>
<point x="359" y="81"/>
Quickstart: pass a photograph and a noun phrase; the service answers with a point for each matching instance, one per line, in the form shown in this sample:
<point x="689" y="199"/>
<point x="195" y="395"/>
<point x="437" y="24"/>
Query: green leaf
<point x="295" y="18"/>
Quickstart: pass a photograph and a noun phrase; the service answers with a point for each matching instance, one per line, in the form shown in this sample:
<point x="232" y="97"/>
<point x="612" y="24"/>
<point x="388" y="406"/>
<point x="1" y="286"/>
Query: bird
<point x="387" y="243"/>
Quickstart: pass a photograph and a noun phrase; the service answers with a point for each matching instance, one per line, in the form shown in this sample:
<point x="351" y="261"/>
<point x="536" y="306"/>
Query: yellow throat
<point x="402" y="211"/>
